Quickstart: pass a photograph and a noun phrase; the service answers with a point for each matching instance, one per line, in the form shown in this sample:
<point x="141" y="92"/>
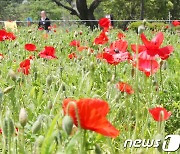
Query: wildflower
<point x="92" y="115"/>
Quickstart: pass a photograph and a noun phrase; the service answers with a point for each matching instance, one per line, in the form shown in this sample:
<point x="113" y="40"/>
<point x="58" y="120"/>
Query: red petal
<point x="165" y="52"/>
<point x="158" y="39"/>
<point x="149" y="67"/>
<point x="141" y="48"/>
<point x="156" y="113"/>
<point x="30" y="47"/>
<point x="124" y="87"/>
<point x="104" y="23"/>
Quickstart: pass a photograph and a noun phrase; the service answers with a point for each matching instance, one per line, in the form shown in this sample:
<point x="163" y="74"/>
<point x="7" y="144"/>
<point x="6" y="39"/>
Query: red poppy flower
<point x="153" y="47"/>
<point x="116" y="53"/>
<point x="124" y="87"/>
<point x="72" y="55"/>
<point x="48" y="53"/>
<point x="147" y="66"/>
<point x="10" y="36"/>
<point x="104" y="23"/>
<point x="166" y="27"/>
<point x="115" y="59"/>
<point x="176" y="23"/>
<point x="30" y="47"/>
<point x="31" y="57"/>
<point x="121" y="45"/>
<point x="121" y="35"/>
<point x="40" y="28"/>
<point x="1" y="56"/>
<point x="101" y="39"/>
<point x="81" y="48"/>
<point x="75" y="43"/>
<point x="160" y="113"/>
<point x="4" y="35"/>
<point x="92" y="114"/>
<point x="24" y="66"/>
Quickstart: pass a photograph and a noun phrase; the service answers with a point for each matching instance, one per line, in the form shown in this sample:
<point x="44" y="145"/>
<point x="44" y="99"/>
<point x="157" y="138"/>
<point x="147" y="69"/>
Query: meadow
<point x="40" y="89"/>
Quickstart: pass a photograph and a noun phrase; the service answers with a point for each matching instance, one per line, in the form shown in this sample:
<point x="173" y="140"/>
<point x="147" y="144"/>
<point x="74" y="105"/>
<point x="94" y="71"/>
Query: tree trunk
<point x="142" y="10"/>
<point x="82" y="11"/>
<point x="86" y="14"/>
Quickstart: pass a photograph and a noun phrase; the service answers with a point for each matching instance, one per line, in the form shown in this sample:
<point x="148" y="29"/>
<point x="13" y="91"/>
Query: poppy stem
<point x="115" y="72"/>
<point x="161" y="79"/>
<point x="23" y="140"/>
<point x="137" y="89"/>
<point x="76" y="112"/>
<point x="83" y="143"/>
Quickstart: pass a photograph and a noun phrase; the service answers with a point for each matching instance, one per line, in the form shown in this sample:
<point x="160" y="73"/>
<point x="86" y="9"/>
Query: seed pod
<point x="39" y="141"/>
<point x="113" y="78"/>
<point x="29" y="31"/>
<point x="63" y="87"/>
<point x="67" y="124"/>
<point x="49" y="81"/>
<point x="75" y="34"/>
<point x="1" y="95"/>
<point x="141" y="29"/>
<point x="23" y="117"/>
<point x="57" y="136"/>
<point x="36" y="126"/>
<point x="8" y="89"/>
<point x="12" y="75"/>
<point x="92" y="66"/>
<point x="97" y="149"/>
<point x="8" y="127"/>
<point x="50" y="105"/>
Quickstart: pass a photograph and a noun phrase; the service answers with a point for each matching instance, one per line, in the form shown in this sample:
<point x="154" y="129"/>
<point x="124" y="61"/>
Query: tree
<point x="80" y="9"/>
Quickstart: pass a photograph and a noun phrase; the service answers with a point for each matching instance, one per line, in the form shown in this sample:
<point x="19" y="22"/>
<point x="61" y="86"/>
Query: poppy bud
<point x="132" y="72"/>
<point x="141" y="29"/>
<point x="12" y="75"/>
<point x="49" y="81"/>
<point x="8" y="127"/>
<point x="29" y="31"/>
<point x="16" y="44"/>
<point x="63" y="87"/>
<point x="8" y="89"/>
<point x="97" y="149"/>
<point x="75" y="34"/>
<point x="39" y="141"/>
<point x="67" y="124"/>
<point x="57" y="136"/>
<point x="1" y="95"/>
<point x="50" y="105"/>
<point x="113" y="78"/>
<point x="108" y="84"/>
<point x="36" y="126"/>
<point x="161" y="115"/>
<point x="144" y="22"/>
<point x="23" y="117"/>
<point x="92" y="66"/>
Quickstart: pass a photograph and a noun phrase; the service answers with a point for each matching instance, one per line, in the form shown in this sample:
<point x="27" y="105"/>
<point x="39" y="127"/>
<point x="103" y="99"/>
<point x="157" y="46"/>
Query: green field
<point x="49" y="82"/>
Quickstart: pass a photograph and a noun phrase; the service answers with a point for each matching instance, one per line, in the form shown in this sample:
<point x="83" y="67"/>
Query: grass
<point x="84" y="77"/>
